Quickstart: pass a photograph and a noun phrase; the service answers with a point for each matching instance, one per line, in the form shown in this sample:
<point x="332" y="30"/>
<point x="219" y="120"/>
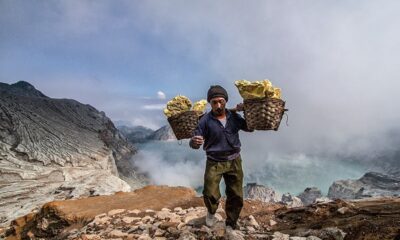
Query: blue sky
<point x="337" y="62"/>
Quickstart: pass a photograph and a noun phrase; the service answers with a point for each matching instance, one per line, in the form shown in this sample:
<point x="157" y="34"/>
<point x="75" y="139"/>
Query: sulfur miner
<point x="218" y="132"/>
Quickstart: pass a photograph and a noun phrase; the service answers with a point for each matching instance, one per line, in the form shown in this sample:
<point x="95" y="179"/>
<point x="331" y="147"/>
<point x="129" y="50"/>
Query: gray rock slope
<point x="140" y="134"/>
<point x="163" y="133"/>
<point x="54" y="149"/>
<point x="372" y="184"/>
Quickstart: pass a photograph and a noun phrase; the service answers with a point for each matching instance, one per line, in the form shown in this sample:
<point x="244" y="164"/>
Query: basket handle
<point x="235" y="108"/>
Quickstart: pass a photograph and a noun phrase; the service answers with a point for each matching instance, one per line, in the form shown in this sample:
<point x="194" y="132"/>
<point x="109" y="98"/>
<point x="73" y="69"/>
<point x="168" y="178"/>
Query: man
<point x="218" y="131"/>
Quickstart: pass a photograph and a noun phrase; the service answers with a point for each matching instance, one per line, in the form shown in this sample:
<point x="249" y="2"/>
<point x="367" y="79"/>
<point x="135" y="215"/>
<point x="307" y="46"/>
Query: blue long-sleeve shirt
<point x="221" y="143"/>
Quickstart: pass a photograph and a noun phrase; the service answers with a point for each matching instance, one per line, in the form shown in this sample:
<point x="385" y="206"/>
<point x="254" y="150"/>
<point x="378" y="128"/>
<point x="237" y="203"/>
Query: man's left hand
<point x="240" y="107"/>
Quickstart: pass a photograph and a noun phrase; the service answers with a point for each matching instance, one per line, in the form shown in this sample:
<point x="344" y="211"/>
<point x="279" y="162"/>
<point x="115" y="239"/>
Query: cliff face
<point x="55" y="149"/>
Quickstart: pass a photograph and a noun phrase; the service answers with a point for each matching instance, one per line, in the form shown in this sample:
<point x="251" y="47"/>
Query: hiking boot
<point x="211" y="219"/>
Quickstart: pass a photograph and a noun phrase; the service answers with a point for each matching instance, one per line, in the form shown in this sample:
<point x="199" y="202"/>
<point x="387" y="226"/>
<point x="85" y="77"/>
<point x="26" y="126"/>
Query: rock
<point x="164" y="214"/>
<point x="101" y="221"/>
<point x="343" y="210"/>
<point x="250" y="229"/>
<point x="196" y="222"/>
<point x="372" y="184"/>
<point x="167" y="225"/>
<point x="313" y="238"/>
<point x="117" y="234"/>
<point x="145" y="237"/>
<point x="159" y="232"/>
<point x="272" y="222"/>
<point x="253" y="222"/>
<point x="298" y="238"/>
<point x="260" y="192"/>
<point x="147" y="219"/>
<point x="322" y="200"/>
<point x="134" y="211"/>
<point x="291" y="201"/>
<point x="189" y="218"/>
<point x="129" y="220"/>
<point x="280" y="236"/>
<point x="205" y="230"/>
<point x="187" y="235"/>
<point x="90" y="237"/>
<point x="101" y="215"/>
<point x="115" y="212"/>
<point x="329" y="233"/>
<point x="231" y="234"/>
<point x="310" y="195"/>
<point x="133" y="229"/>
<point x="178" y="209"/>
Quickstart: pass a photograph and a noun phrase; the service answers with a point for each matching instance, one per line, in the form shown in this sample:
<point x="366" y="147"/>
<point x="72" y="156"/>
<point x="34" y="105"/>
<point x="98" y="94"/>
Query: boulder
<point x="260" y="192"/>
<point x="372" y="184"/>
<point x="310" y="195"/>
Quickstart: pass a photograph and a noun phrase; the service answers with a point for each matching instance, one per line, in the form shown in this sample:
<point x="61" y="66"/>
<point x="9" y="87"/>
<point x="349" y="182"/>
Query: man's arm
<point x="240" y="119"/>
<point x="197" y="140"/>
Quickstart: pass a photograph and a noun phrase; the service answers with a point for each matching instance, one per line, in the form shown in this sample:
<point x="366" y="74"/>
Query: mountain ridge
<point x="57" y="149"/>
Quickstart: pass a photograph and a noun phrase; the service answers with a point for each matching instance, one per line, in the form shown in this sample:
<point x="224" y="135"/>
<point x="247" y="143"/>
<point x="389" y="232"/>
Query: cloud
<point x="336" y="62"/>
<point x="160" y="95"/>
<point x="171" y="164"/>
<point x="154" y="107"/>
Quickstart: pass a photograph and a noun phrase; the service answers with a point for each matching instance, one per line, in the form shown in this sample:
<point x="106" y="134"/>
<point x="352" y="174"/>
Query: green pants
<point x="232" y="173"/>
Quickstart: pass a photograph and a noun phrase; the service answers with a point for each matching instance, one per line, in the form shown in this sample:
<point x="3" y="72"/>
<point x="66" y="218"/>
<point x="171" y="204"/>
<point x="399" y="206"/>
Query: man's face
<point x="218" y="105"/>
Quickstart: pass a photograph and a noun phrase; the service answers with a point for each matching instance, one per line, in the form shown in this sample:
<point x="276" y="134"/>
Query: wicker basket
<point x="184" y="124"/>
<point x="264" y="114"/>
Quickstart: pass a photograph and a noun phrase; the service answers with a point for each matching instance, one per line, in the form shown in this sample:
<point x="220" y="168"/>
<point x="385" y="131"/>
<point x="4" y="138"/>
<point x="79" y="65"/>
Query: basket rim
<point x="190" y="112"/>
<point x="264" y="99"/>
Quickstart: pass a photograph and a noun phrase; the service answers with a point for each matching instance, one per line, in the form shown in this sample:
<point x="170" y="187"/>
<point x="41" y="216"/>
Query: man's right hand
<point x="197" y="141"/>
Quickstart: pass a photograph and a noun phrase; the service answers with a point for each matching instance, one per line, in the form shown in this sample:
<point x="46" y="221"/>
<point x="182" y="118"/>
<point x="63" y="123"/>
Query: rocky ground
<point x="160" y="212"/>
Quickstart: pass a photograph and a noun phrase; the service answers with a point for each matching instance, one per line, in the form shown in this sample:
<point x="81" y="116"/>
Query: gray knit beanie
<point x="216" y="91"/>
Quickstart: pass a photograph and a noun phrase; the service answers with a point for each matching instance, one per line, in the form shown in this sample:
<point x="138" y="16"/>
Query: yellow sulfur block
<point x="200" y="106"/>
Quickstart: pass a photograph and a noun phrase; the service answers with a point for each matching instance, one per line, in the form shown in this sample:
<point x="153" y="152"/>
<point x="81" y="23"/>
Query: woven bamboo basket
<point x="264" y="114"/>
<point x="184" y="124"/>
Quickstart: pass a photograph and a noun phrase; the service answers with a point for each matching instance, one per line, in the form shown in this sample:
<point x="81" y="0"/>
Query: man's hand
<point x="240" y="107"/>
<point x="196" y="141"/>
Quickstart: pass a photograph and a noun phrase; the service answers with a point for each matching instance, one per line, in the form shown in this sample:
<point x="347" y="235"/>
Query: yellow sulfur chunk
<point x="200" y="106"/>
<point x="257" y="89"/>
<point x="177" y="105"/>
<point x="251" y="90"/>
<point x="277" y="93"/>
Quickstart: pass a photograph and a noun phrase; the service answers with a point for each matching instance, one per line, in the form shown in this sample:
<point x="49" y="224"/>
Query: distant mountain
<point x="56" y="149"/>
<point x="140" y="134"/>
<point x="164" y="133"/>
<point x="137" y="134"/>
<point x="20" y="88"/>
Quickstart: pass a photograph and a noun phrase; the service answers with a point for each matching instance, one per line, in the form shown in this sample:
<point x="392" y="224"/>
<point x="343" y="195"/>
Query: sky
<point x="337" y="62"/>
